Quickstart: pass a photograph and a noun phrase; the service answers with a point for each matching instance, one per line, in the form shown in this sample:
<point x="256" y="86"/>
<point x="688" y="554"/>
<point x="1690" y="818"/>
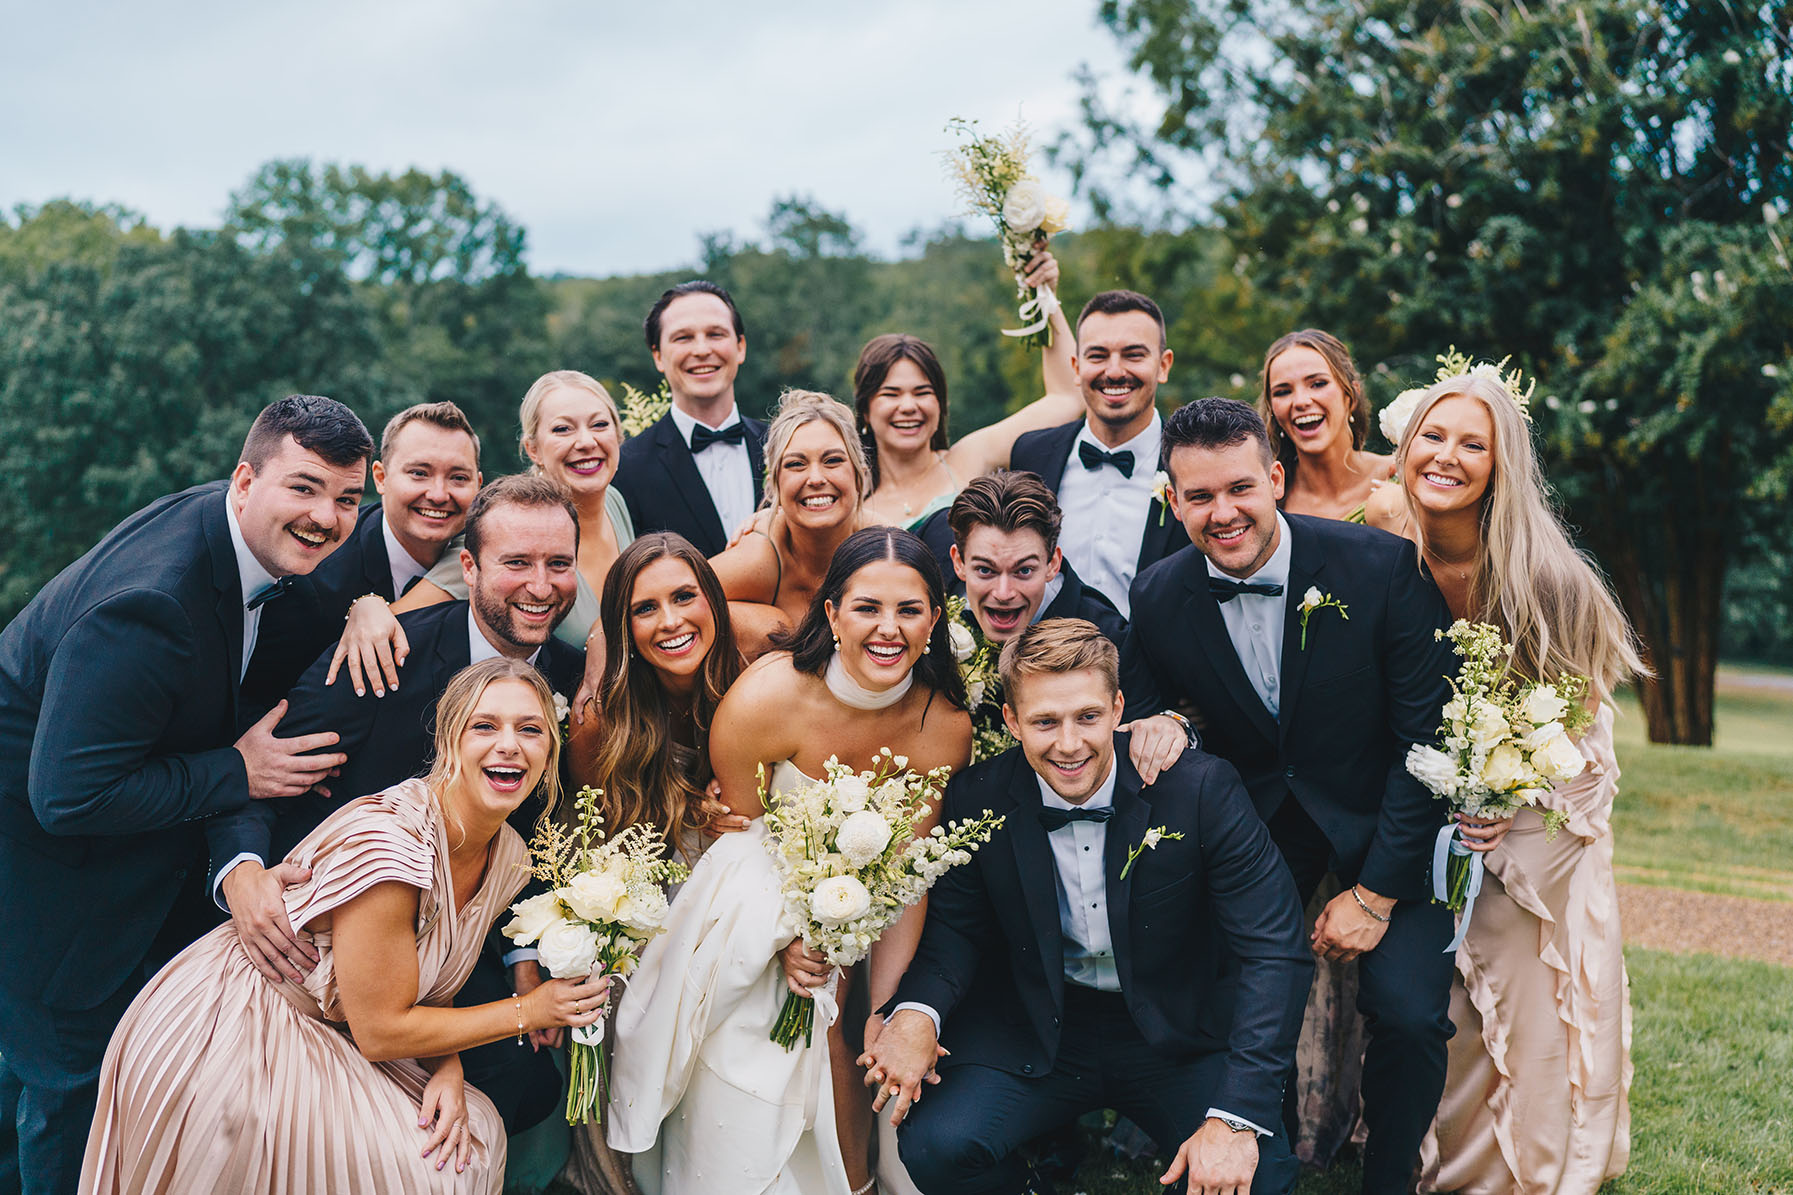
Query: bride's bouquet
<point x="849" y="863"/>
<point x="993" y="177"/>
<point x="606" y="898"/>
<point x="1501" y="747"/>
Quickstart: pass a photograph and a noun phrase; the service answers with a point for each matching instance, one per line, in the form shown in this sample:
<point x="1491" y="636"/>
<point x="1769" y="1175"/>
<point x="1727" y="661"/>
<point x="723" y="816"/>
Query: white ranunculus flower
<point x="1505" y="766"/>
<point x="862" y="837"/>
<point x="646" y="908"/>
<point x="1024" y="208"/>
<point x="530" y="917"/>
<point x="1490" y="725"/>
<point x="1433" y="768"/>
<point x="1560" y="760"/>
<point x="851" y="793"/>
<point x="1058" y="215"/>
<point x="961" y="641"/>
<point x="1393" y="418"/>
<point x="569" y="950"/>
<point x="974" y="694"/>
<point x="838" y="900"/>
<point x="595" y="895"/>
<point x="1543" y="704"/>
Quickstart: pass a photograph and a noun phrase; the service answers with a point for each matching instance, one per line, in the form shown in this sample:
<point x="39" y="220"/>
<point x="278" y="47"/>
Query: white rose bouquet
<point x="1501" y="747"/>
<point x="846" y="851"/>
<point x="993" y="177"/>
<point x="606" y="898"/>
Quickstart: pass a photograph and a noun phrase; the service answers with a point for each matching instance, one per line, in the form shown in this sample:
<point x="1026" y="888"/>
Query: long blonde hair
<point x="1548" y="597"/>
<point x="454" y="710"/>
<point x="798" y="407"/>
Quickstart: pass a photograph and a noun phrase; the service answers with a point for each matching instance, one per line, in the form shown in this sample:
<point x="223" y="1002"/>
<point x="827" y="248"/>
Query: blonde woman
<point x="1539" y="1068"/>
<point x="816" y="481"/>
<point x="1313" y="404"/>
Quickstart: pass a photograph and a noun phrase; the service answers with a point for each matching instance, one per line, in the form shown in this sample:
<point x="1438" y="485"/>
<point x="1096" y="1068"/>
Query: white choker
<point x="854" y="695"/>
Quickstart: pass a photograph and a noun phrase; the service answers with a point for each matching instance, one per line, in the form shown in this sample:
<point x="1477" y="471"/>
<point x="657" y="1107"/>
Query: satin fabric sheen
<point x="218" y="1080"/>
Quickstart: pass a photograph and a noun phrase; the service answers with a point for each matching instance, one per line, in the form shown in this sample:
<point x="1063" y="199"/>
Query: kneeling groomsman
<point x="1076" y="962"/>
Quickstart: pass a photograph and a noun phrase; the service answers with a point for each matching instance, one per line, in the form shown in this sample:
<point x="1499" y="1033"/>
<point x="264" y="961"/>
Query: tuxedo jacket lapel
<point x="1306" y="565"/>
<point x="229" y="586"/>
<point x="1058" y="443"/>
<point x="1212" y="642"/>
<point x="756" y="456"/>
<point x="376" y="565"/>
<point x="687" y="483"/>
<point x="1038" y="875"/>
<point x="1126" y="829"/>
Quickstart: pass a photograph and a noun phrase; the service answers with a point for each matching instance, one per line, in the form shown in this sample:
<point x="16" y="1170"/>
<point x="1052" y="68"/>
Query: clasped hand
<point x="899" y="1057"/>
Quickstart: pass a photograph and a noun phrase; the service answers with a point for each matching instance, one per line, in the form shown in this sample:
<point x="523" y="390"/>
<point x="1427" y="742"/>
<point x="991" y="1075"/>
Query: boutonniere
<point x="563" y="714"/>
<point x="1161" y="491"/>
<point x="1314" y="600"/>
<point x="1154" y="836"/>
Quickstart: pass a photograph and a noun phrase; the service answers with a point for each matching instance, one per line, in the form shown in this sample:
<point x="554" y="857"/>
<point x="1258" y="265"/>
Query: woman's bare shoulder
<point x="749" y="569"/>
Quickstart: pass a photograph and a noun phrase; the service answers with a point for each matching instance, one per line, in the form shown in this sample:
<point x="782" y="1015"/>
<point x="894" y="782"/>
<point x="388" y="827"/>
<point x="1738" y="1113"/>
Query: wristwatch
<point x="1195" y="740"/>
<point x="1238" y="1126"/>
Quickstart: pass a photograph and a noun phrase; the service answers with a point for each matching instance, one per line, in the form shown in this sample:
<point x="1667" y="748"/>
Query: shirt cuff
<point x="932" y="1015"/>
<point x="218" y="884"/>
<point x="522" y="954"/>
<point x="1259" y="1129"/>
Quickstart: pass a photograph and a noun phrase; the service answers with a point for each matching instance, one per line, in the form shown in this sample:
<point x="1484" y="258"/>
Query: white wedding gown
<point x="698" y="1090"/>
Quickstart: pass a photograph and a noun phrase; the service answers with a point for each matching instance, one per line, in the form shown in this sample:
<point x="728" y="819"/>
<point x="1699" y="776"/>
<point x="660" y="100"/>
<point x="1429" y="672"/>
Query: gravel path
<point x="1701" y="923"/>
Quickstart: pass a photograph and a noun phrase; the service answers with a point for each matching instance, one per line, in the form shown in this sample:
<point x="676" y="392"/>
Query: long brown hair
<point x="1344" y="372"/>
<point x="633" y="763"/>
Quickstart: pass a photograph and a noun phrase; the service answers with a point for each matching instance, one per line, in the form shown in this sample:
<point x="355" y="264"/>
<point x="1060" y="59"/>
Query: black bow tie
<point x="702" y="437"/>
<point x="1094" y="458"/>
<point x="1058" y="819"/>
<point x="1225" y="590"/>
<point x="267" y="593"/>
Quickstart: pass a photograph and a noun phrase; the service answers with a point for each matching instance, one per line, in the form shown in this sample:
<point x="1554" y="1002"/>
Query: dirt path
<point x="1701" y="923"/>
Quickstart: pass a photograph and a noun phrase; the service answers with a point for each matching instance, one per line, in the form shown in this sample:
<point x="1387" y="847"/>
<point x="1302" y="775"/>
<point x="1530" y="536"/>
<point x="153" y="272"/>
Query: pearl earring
<point x="837" y="643"/>
<point x="926" y="648"/>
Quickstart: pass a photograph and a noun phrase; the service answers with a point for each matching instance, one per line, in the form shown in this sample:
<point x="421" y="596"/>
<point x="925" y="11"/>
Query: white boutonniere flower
<point x="1154" y="836"/>
<point x="1161" y="491"/>
<point x="1314" y="600"/>
<point x="563" y="716"/>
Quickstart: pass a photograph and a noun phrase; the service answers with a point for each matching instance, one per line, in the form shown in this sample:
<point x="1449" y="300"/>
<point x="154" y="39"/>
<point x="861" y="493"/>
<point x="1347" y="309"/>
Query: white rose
<point x="838" y="900"/>
<point x="1505" y="766"/>
<point x="595" y="895"/>
<point x="862" y="837"/>
<point x="569" y="950"/>
<point x="1393" y="418"/>
<point x="646" y="909"/>
<point x="961" y="641"/>
<point x="1455" y="710"/>
<point x="1543" y="704"/>
<point x="1560" y="760"/>
<point x="974" y="694"/>
<point x="1058" y="215"/>
<point x="561" y="708"/>
<point x="851" y="793"/>
<point x="1490" y="725"/>
<point x="1433" y="768"/>
<point x="1024" y="208"/>
<point x="531" y="917"/>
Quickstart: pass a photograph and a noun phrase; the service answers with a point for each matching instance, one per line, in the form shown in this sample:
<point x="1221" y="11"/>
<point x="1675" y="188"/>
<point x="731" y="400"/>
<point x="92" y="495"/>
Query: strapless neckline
<point x="785" y="765"/>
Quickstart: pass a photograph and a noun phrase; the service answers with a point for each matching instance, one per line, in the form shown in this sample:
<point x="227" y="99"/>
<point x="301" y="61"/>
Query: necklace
<point x="854" y="695"/>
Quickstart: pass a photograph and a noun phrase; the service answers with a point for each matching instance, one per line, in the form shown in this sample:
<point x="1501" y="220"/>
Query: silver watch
<point x="1238" y="1126"/>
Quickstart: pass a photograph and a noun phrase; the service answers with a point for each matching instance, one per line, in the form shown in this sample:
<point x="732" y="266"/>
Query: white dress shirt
<point x="726" y="469"/>
<point x="1053" y="588"/>
<point x="481" y="648"/>
<point x="1105" y="514"/>
<point x="252" y="577"/>
<point x="403" y="566"/>
<point x="1254" y="622"/>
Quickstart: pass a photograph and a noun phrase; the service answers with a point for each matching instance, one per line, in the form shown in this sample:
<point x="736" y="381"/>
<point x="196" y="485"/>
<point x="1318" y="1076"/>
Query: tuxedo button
<point x="1027" y="1068"/>
<point x="1289" y="771"/>
<point x="1055" y="1022"/>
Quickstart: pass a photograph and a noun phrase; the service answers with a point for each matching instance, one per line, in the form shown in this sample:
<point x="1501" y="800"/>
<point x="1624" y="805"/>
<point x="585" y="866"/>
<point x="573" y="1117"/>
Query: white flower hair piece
<point x="1393" y="418"/>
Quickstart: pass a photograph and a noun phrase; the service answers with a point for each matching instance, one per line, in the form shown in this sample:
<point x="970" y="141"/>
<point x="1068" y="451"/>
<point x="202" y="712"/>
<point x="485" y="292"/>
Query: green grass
<point x="1716" y="819"/>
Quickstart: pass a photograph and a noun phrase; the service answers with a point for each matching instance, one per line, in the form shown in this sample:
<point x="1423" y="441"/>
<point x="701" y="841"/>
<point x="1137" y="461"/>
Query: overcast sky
<point x="615" y="132"/>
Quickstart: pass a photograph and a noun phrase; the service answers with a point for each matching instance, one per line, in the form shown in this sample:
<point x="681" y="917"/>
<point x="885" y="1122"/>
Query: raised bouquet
<point x="975" y="659"/>
<point x="850" y="864"/>
<point x="606" y="898"/>
<point x="993" y="178"/>
<point x="1503" y="744"/>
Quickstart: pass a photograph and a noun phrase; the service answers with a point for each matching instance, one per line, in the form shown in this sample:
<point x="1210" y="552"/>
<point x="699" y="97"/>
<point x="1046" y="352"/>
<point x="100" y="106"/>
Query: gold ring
<point x="895" y="1090"/>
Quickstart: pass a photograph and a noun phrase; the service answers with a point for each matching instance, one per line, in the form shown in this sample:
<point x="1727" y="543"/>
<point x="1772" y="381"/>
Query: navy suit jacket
<point x="1045" y="452"/>
<point x="118" y="719"/>
<point x="991" y="956"/>
<point x="659" y="480"/>
<point x="1353" y="700"/>
<point x="387" y="739"/>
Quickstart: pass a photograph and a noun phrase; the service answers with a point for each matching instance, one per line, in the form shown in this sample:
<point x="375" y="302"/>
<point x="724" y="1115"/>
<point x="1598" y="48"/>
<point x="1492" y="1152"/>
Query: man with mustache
<point x="120" y="737"/>
<point x="1102" y="466"/>
<point x="1307" y="646"/>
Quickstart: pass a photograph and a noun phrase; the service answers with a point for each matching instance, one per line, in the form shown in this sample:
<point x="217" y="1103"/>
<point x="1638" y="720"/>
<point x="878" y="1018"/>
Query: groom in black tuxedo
<point x="1306" y="647"/>
<point x="698" y="470"/>
<point x="1076" y="962"/>
<point x="119" y="736"/>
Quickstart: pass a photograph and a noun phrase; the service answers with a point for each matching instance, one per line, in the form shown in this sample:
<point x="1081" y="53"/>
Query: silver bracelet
<point x="1365" y="907"/>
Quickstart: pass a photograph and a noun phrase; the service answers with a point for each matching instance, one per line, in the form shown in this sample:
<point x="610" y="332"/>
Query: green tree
<point x="1543" y="180"/>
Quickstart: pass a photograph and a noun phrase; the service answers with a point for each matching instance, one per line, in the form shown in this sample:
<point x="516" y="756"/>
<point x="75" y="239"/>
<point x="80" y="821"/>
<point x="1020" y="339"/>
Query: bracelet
<point x="351" y="611"/>
<point x="1365" y="907"/>
<point x="519" y="1001"/>
<point x="1195" y="740"/>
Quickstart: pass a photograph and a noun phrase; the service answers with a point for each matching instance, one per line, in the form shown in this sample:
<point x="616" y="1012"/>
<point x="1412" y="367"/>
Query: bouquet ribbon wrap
<point x="1444" y="846"/>
<point x="1038" y="312"/>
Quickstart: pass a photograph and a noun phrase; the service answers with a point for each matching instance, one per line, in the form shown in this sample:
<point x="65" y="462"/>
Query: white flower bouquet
<point x="993" y="178"/>
<point x="849" y="861"/>
<point x="606" y="898"/>
<point x="976" y="660"/>
<point x="1501" y="747"/>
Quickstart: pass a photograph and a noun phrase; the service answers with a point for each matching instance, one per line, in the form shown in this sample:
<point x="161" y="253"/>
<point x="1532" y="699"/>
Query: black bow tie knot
<point x="1094" y="458"/>
<point x="276" y="588"/>
<point x="1058" y="819"/>
<point x="1225" y="590"/>
<point x="702" y="437"/>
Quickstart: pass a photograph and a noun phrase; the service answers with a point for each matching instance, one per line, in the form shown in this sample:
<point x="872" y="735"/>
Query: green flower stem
<point x="795" y="1020"/>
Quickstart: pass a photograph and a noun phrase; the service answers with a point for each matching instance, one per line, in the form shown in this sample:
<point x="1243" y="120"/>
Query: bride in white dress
<point x="699" y="1091"/>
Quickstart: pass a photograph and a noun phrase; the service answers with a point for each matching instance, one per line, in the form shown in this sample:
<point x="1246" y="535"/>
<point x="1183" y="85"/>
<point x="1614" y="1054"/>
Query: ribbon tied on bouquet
<point x="1444" y="846"/>
<point x="1037" y="312"/>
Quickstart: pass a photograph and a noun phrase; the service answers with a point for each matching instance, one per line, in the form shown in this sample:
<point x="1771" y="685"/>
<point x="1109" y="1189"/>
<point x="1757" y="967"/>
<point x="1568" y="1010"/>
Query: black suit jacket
<point x="1074" y="599"/>
<point x="1046" y="452"/>
<point x="659" y="480"/>
<point x="387" y="739"/>
<point x="1364" y="690"/>
<point x="118" y="715"/>
<point x="991" y="957"/>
